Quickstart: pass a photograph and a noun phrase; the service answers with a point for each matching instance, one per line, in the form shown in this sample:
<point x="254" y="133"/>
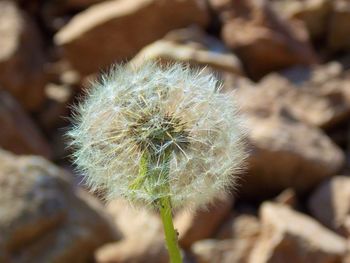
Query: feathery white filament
<point x="130" y="111"/>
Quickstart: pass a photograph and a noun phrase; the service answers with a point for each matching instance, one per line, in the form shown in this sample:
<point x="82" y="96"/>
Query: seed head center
<point x="158" y="133"/>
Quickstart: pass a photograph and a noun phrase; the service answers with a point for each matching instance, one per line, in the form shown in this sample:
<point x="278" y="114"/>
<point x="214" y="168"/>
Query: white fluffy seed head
<point x="155" y="111"/>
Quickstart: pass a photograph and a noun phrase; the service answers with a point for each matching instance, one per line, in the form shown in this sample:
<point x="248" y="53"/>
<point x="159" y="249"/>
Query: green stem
<point x="148" y="180"/>
<point x="169" y="230"/>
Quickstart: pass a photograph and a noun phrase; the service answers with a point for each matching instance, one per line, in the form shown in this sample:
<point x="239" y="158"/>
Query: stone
<point x="291" y="237"/>
<point x="59" y="99"/>
<point x="220" y="5"/>
<point x="282" y="111"/>
<point x="221" y="251"/>
<point x="19" y="133"/>
<point x="237" y="237"/>
<point x="264" y="41"/>
<point x="322" y="95"/>
<point x="318" y="96"/>
<point x="21" y="57"/>
<point x="77" y="4"/>
<point x="55" y="14"/>
<point x="228" y="9"/>
<point x="142" y="233"/>
<point x="319" y="74"/>
<point x="313" y="13"/>
<point x="129" y="251"/>
<point x="190" y="46"/>
<point x="330" y="204"/>
<point x="338" y="33"/>
<point x="336" y="94"/>
<point x="43" y="218"/>
<point x="202" y="223"/>
<point x="239" y="226"/>
<point x="287" y="197"/>
<point x="287" y="153"/>
<point x="114" y="31"/>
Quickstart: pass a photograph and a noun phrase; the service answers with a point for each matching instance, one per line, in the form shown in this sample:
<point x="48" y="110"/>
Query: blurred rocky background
<point x="288" y="62"/>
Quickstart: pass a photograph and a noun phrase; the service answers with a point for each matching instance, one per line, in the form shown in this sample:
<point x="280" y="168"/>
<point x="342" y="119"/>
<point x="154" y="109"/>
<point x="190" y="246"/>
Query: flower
<point x="148" y="132"/>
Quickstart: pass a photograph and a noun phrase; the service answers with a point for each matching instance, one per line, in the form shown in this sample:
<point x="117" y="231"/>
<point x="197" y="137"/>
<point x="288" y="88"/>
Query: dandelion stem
<point x="169" y="230"/>
<point x="162" y="203"/>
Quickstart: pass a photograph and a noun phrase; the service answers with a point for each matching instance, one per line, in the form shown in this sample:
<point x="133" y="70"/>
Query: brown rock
<point x="116" y="30"/>
<point x="227" y="9"/>
<point x="336" y="94"/>
<point x="200" y="224"/>
<point x="78" y="4"/>
<point x="42" y="217"/>
<point x="289" y="236"/>
<point x="21" y="57"/>
<point x="18" y="132"/>
<point x="59" y="99"/>
<point x="264" y="41"/>
<point x="239" y="234"/>
<point x="338" y="31"/>
<point x="55" y="14"/>
<point x="142" y="236"/>
<point x="239" y="226"/>
<point x="190" y="46"/>
<point x="219" y="4"/>
<point x="128" y="251"/>
<point x="321" y="97"/>
<point x="314" y="14"/>
<point x="287" y="197"/>
<point x="330" y="204"/>
<point x="287" y="153"/>
<point x="221" y="251"/>
<point x="69" y="6"/>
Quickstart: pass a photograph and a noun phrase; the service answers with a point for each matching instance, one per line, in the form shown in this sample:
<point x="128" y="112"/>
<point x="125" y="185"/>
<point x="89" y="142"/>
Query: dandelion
<point x="163" y="137"/>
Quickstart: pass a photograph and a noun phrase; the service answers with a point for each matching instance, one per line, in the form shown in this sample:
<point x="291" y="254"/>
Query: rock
<point x="220" y="5"/>
<point x="55" y="14"/>
<point x="133" y="219"/>
<point x="128" y="251"/>
<point x="338" y="32"/>
<point x="239" y="226"/>
<point x="336" y="94"/>
<point x="221" y="251"/>
<point x="228" y="9"/>
<point x="324" y="19"/>
<point x="43" y="218"/>
<point x="142" y="232"/>
<point x="315" y="75"/>
<point x="287" y="197"/>
<point x="330" y="204"/>
<point x="200" y="224"/>
<point x="21" y="57"/>
<point x="18" y="132"/>
<point x="75" y="4"/>
<point x="59" y="99"/>
<point x="114" y="31"/>
<point x="264" y="41"/>
<point x="289" y="236"/>
<point x="314" y="14"/>
<point x="282" y="111"/>
<point x="237" y="235"/>
<point x="319" y="96"/>
<point x="199" y="50"/>
<point x="322" y="95"/>
<point x="298" y="155"/>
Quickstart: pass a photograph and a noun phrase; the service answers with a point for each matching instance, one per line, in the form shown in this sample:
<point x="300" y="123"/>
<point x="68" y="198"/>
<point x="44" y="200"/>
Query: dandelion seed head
<point x="175" y="118"/>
